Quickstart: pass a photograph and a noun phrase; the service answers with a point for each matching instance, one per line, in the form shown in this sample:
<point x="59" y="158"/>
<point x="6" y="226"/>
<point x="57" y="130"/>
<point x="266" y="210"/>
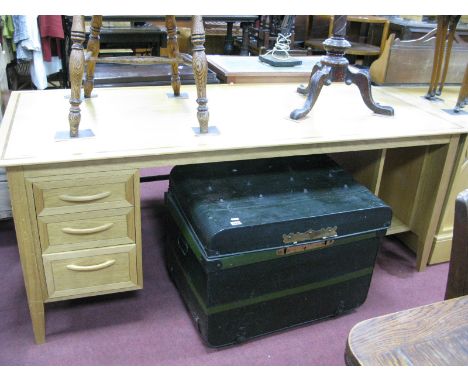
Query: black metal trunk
<point x="259" y="246"/>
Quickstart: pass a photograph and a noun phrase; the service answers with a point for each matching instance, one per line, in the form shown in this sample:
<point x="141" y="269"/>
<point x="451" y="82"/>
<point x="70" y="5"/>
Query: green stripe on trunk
<point x="274" y="295"/>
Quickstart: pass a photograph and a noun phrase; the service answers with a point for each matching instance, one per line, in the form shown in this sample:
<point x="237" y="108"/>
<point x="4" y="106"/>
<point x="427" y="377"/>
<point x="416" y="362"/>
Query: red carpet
<point x="152" y="327"/>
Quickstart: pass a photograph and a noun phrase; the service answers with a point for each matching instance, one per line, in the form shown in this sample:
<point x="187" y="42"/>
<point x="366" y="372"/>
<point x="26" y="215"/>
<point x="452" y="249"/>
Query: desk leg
<point x="431" y="195"/>
<point x="200" y="71"/>
<point x="23" y="224"/>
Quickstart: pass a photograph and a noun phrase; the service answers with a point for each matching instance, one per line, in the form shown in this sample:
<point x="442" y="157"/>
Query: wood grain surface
<point x="142" y="121"/>
<point x="435" y="334"/>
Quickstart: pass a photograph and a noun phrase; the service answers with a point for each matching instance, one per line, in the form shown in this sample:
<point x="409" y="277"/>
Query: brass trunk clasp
<point x="322" y="233"/>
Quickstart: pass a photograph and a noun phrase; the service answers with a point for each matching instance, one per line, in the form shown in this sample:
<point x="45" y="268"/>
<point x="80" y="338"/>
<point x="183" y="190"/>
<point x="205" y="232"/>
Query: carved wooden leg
<point x="305" y="89"/>
<point x="463" y="95"/>
<point x="200" y="71"/>
<point x="93" y="48"/>
<point x="363" y="82"/>
<point x="452" y="26"/>
<point x="315" y="86"/>
<point x="442" y="23"/>
<point x="76" y="69"/>
<point x="173" y="51"/>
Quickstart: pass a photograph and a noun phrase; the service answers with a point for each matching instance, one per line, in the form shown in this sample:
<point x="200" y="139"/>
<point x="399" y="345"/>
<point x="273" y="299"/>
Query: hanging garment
<point x="51" y="31"/>
<point x="22" y="39"/>
<point x="29" y="48"/>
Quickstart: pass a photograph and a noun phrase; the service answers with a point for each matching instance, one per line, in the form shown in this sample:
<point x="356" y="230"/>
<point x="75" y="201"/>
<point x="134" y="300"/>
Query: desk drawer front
<point x="91" y="272"/>
<point x="96" y="191"/>
<point x="94" y="229"/>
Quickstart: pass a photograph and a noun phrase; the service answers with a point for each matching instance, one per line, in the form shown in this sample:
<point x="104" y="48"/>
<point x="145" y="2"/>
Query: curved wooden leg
<point x="173" y="51"/>
<point x="93" y="48"/>
<point x="363" y="82"/>
<point x="305" y="89"/>
<point x="200" y="71"/>
<point x="76" y="69"/>
<point x="442" y="23"/>
<point x="452" y="26"/>
<point x="463" y="94"/>
<point x="315" y="86"/>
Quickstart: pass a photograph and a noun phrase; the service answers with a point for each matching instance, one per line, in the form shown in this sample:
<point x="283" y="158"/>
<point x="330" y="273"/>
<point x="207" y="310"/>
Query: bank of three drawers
<point x="88" y="233"/>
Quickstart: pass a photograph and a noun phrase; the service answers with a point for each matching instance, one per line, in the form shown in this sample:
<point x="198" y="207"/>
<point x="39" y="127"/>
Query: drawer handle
<point x="85" y="198"/>
<point x="87" y="268"/>
<point x="87" y="231"/>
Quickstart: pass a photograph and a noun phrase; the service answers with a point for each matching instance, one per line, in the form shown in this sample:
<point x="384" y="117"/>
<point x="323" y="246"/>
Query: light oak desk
<point x="76" y="203"/>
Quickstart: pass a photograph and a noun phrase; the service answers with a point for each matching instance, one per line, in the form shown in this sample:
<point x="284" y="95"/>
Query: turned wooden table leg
<point x="200" y="71"/>
<point x="93" y="48"/>
<point x="173" y="51"/>
<point x="76" y="69"/>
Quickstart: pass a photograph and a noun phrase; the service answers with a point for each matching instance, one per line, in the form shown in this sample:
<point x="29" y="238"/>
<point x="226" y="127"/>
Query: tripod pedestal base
<point x="325" y="75"/>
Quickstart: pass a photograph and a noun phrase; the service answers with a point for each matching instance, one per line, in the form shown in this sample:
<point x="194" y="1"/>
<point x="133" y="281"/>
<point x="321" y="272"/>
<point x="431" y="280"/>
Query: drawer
<point x="69" y="194"/>
<point x="91" y="272"/>
<point x="69" y="232"/>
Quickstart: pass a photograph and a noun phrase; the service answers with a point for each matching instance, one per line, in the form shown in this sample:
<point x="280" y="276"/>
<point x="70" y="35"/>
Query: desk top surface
<point x="145" y="122"/>
<point x="251" y="66"/>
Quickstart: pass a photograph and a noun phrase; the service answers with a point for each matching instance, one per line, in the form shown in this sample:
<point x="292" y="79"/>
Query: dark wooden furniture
<point x="334" y="67"/>
<point x="435" y="334"/>
<point x="430" y="335"/>
<point x="79" y="62"/>
<point x="115" y="75"/>
<point x="263" y="35"/>
<point x="246" y="21"/>
<point x="405" y="29"/>
<point x="457" y="282"/>
<point x="362" y="40"/>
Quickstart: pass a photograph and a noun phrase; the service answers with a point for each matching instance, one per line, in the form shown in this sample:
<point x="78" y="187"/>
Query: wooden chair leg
<point x="200" y="71"/>
<point x="93" y="48"/>
<point x="452" y="26"/>
<point x="76" y="70"/>
<point x="438" y="54"/>
<point x="173" y="51"/>
<point x="463" y="94"/>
